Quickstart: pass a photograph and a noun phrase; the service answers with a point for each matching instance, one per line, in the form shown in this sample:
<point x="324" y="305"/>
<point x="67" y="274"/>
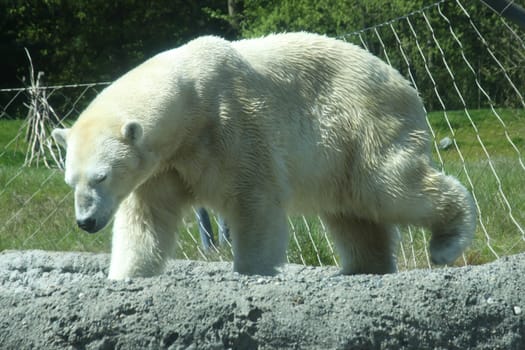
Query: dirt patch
<point x="63" y="300"/>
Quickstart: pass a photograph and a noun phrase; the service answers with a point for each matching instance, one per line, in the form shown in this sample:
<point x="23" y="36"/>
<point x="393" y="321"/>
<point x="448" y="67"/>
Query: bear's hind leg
<point x="454" y="222"/>
<point x="363" y="246"/>
<point x="429" y="198"/>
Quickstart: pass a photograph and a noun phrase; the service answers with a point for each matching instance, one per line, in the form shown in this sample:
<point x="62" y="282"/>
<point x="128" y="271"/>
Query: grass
<point x="489" y="165"/>
<point x="37" y="207"/>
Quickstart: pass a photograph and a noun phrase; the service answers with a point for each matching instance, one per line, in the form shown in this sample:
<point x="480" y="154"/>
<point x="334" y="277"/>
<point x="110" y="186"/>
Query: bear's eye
<point x="100" y="178"/>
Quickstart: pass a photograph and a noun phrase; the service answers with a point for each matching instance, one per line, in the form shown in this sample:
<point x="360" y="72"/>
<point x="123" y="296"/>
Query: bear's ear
<point x="132" y="131"/>
<point x="60" y="136"/>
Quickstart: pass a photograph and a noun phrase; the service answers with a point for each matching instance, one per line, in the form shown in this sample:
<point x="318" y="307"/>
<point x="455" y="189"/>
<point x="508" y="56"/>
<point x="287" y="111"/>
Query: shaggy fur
<point x="256" y="129"/>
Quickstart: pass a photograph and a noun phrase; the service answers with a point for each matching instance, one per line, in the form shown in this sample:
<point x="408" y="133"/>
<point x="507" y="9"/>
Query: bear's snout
<point x="88" y="225"/>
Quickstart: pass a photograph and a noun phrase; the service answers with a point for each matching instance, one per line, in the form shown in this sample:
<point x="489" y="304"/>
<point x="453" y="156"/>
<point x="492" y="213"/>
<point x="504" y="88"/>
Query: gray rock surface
<point x="63" y="300"/>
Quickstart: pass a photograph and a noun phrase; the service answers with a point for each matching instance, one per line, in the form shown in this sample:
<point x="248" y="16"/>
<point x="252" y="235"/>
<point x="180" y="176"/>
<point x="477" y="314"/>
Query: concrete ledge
<point x="54" y="300"/>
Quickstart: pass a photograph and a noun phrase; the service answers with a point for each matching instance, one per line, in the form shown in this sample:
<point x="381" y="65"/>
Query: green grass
<point x="491" y="170"/>
<point x="12" y="144"/>
<point x="491" y="131"/>
<point x="37" y="213"/>
<point x="37" y="207"/>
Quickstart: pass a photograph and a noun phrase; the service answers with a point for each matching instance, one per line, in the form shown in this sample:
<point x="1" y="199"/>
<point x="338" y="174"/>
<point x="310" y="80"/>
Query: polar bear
<point x="256" y="129"/>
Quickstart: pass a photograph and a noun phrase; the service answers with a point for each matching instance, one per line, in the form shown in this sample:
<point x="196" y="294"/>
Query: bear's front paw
<point x="120" y="272"/>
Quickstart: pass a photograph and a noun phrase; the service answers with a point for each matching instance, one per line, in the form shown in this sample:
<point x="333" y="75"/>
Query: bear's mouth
<point x="89" y="225"/>
<point x="92" y="225"/>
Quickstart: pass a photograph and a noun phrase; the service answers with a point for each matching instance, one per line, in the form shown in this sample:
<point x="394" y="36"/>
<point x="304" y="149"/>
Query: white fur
<point x="256" y="129"/>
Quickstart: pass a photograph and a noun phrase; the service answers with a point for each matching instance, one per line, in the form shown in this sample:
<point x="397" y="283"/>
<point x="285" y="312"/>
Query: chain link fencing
<point x="476" y="113"/>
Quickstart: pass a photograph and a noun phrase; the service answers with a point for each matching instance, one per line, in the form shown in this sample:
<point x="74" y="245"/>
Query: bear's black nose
<point x="88" y="224"/>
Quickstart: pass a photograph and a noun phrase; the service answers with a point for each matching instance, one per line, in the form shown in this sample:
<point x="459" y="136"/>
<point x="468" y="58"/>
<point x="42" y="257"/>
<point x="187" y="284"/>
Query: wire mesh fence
<point x="476" y="112"/>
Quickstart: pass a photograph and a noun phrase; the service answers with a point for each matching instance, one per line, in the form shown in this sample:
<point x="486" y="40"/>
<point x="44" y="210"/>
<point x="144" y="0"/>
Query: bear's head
<point x="104" y="164"/>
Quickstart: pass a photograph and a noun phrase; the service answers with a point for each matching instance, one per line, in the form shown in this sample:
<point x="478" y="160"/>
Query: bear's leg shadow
<point x="363" y="246"/>
<point x="259" y="235"/>
<point x="144" y="232"/>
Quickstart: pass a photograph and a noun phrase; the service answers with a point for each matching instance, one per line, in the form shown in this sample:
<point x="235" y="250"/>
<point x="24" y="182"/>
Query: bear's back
<point x="289" y="54"/>
<point x="337" y="107"/>
<point x="320" y="68"/>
